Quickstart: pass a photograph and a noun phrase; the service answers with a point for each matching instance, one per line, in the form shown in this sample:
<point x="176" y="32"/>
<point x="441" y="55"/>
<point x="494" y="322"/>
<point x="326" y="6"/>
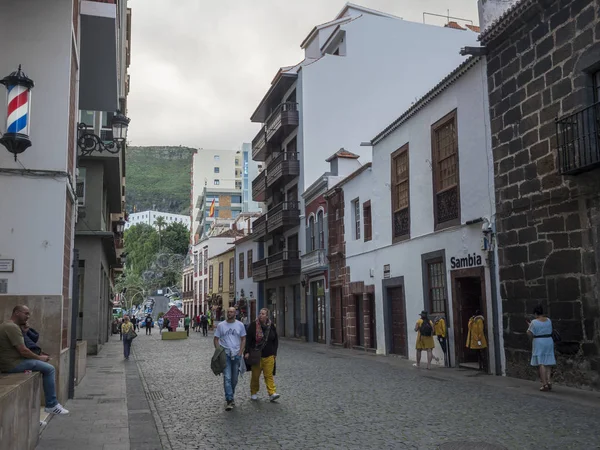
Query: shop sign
<point x="464" y="262"/>
<point x="386" y="271"/>
<point x="7" y="265"/>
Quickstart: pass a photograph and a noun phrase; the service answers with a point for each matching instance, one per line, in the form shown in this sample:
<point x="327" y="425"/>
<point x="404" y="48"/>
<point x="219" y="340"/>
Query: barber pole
<point x="18" y="112"/>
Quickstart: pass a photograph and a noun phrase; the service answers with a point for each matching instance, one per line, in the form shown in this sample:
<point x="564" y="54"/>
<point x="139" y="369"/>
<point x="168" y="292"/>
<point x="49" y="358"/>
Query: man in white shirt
<point x="231" y="335"/>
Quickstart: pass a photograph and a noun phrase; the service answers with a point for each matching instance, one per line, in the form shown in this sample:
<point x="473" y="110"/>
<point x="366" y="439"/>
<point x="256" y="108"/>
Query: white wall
<point x="32" y="220"/>
<point x="346" y="100"/>
<point x="468" y="96"/>
<point x="149" y="217"/>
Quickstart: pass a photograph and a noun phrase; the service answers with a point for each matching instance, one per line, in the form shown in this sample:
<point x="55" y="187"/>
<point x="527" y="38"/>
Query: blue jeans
<point x="47" y="371"/>
<point x="230" y="376"/>
<point x="126" y="347"/>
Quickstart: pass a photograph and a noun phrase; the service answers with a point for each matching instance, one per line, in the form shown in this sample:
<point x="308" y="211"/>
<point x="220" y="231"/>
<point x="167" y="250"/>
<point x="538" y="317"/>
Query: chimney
<point x="491" y="10"/>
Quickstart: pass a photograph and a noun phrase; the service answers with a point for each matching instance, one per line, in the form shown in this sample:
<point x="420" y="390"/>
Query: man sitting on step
<point x="15" y="357"/>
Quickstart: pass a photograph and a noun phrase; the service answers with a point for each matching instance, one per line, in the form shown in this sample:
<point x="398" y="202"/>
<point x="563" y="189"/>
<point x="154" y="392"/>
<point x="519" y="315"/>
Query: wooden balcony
<point x="314" y="261"/>
<point x="284" y="264"/>
<point x="259" y="187"/>
<point x="282" y="169"/>
<point x="282" y="217"/>
<point x="281" y="121"/>
<point x="259" y="270"/>
<point x="259" y="228"/>
<point x="259" y="145"/>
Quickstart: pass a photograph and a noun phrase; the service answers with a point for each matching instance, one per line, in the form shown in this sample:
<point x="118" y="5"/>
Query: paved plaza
<point x="330" y="399"/>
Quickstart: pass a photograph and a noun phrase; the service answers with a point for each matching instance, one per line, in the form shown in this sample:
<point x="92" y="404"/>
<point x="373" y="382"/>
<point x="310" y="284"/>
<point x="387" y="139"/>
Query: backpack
<point x="426" y="328"/>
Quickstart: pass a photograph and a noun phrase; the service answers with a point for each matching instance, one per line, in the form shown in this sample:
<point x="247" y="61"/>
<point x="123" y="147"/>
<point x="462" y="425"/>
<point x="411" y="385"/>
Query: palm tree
<point x="160" y="222"/>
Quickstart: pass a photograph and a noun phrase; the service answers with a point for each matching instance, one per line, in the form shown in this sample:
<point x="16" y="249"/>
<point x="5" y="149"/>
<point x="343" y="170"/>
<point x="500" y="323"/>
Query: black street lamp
<point x="120" y="225"/>
<point x="18" y="108"/>
<point x="88" y="142"/>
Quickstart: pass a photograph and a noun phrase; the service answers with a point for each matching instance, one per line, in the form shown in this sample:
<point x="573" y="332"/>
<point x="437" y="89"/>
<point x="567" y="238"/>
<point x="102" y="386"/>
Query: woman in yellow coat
<point x="424" y="329"/>
<point x="476" y="337"/>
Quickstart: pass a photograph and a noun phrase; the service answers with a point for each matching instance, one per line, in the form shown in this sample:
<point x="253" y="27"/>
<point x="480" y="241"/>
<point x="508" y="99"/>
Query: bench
<point x="20" y="397"/>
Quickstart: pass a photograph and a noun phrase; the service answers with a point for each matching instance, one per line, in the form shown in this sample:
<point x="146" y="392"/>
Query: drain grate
<point x="466" y="445"/>
<point x="156" y="395"/>
<point x="111" y="400"/>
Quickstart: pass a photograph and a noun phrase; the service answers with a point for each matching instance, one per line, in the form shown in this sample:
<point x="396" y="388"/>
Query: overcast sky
<point x="199" y="68"/>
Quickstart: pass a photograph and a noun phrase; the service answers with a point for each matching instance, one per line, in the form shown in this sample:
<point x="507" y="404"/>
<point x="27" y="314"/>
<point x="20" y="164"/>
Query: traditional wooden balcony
<point x="282" y="217"/>
<point x="284" y="264"/>
<point x="314" y="261"/>
<point x="259" y="270"/>
<point x="259" y="187"/>
<point x="283" y="168"/>
<point x="281" y="121"/>
<point x="259" y="228"/>
<point x="259" y="145"/>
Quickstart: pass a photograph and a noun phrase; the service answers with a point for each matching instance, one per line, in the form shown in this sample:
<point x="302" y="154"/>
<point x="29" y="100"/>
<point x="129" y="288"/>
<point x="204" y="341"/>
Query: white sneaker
<point x="274" y="397"/>
<point x="43" y="423"/>
<point x="254" y="397"/>
<point x="58" y="409"/>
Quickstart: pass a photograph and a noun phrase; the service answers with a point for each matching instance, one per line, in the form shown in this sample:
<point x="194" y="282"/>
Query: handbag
<point x="130" y="335"/>
<point x="254" y="357"/>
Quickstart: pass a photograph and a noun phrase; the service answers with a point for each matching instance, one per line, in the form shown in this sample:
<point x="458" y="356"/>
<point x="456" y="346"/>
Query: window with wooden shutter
<point x="249" y="263"/>
<point x="220" y="276"/>
<point x="446" y="189"/>
<point x="437" y="286"/>
<point x="242" y="262"/>
<point x="400" y="195"/>
<point x="367" y="219"/>
<point x="210" y="277"/>
<point x="231" y="273"/>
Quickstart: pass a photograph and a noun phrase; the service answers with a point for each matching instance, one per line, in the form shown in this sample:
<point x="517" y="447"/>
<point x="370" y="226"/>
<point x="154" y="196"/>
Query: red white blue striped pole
<point x="18" y="112"/>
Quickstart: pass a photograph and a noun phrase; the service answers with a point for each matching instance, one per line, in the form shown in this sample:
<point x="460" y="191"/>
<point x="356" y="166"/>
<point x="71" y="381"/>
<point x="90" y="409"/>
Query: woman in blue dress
<point x="542" y="356"/>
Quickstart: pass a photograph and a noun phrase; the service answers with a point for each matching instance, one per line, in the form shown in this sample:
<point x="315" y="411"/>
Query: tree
<point x="141" y="246"/>
<point x="160" y="224"/>
<point x="176" y="238"/>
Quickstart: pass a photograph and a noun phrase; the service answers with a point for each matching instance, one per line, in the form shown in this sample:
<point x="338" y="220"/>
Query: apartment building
<point x="101" y="179"/>
<point x="308" y="112"/>
<point x="221" y="283"/>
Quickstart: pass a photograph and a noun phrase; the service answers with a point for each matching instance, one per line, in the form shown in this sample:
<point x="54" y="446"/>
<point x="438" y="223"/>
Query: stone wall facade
<point x="541" y="59"/>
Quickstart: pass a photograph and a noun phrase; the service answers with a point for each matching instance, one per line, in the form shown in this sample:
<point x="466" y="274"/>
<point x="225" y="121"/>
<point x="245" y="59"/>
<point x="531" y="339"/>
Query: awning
<point x="98" y="80"/>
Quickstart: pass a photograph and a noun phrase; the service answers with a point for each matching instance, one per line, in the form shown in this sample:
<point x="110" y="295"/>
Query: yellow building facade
<point x="221" y="282"/>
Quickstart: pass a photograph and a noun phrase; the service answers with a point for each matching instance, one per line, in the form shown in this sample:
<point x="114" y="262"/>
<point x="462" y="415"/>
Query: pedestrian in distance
<point x="198" y="326"/>
<point x="148" y="324"/>
<point x="204" y="324"/>
<point x="128" y="332"/>
<point x="160" y="325"/>
<point x="186" y="324"/>
<point x="167" y="323"/>
<point x="231" y="336"/>
<point x="424" y="329"/>
<point x="120" y="326"/>
<point x="134" y="322"/>
<point x="261" y="354"/>
<point x="542" y="355"/>
<point x="15" y="357"/>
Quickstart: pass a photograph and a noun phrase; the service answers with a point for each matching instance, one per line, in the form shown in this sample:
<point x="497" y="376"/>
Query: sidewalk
<point x="110" y="409"/>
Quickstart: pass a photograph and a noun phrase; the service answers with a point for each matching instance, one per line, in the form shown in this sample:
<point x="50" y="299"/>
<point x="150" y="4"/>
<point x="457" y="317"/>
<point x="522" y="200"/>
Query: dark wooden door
<point x="372" y="324"/>
<point x="360" y="321"/>
<point x="398" y="316"/>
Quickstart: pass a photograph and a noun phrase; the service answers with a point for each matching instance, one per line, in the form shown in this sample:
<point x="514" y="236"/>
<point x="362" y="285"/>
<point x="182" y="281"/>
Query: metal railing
<point x="578" y="140"/>
<point x="281" y="108"/>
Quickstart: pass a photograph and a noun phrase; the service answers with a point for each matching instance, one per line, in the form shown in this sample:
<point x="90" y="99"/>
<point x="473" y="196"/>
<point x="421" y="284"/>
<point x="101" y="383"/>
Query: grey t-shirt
<point x="230" y="336"/>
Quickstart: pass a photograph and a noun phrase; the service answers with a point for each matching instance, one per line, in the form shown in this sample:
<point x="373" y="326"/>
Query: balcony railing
<point x="284" y="117"/>
<point x="578" y="139"/>
<point x="259" y="270"/>
<point x="284" y="216"/>
<point x="314" y="261"/>
<point x="284" y="264"/>
<point x="283" y="168"/>
<point x="259" y="228"/>
<point x="259" y="187"/>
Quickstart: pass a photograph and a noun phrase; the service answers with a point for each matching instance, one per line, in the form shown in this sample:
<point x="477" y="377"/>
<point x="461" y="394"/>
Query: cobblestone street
<point x="336" y="398"/>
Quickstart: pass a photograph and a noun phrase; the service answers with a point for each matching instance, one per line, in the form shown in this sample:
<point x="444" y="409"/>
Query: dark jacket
<point x="270" y="348"/>
<point x="218" y="361"/>
<point x="31" y="337"/>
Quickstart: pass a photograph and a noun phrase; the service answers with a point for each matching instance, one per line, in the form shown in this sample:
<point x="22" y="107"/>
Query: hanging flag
<point x="212" y="209"/>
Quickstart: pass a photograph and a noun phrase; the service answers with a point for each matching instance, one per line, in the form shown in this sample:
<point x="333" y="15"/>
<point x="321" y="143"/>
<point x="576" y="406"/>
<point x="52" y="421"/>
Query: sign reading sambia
<point x="473" y="260"/>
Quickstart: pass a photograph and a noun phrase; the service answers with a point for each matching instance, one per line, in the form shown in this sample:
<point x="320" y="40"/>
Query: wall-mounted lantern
<point x="18" y="112"/>
<point x="88" y="142"/>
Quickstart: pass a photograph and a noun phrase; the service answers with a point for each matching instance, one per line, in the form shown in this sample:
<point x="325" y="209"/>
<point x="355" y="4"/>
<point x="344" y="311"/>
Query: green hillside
<point x="158" y="178"/>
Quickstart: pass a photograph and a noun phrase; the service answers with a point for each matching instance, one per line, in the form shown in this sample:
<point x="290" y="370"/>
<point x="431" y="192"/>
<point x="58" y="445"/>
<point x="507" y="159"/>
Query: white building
<point x="414" y="220"/>
<point x="359" y="71"/>
<point x="149" y="218"/>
